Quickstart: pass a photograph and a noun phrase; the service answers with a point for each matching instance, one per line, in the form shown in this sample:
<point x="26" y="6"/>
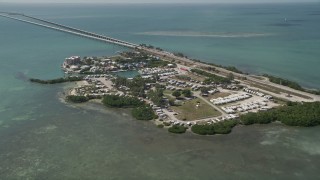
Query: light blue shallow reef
<point x="44" y="138"/>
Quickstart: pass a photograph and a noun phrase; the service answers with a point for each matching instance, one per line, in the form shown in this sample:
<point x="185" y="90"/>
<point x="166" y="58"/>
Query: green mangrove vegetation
<point x="141" y="111"/>
<point x="177" y="129"/>
<point x="291" y="84"/>
<point x="295" y="114"/>
<point x="142" y="58"/>
<point x="58" y="80"/>
<point x="230" y="68"/>
<point x="179" y="54"/>
<point x="284" y="82"/>
<point x="77" y="99"/>
<point x="224" y="127"/>
<point x="144" y="112"/>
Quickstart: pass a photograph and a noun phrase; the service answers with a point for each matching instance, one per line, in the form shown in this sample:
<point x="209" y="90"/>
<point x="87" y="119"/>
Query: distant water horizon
<point x="44" y="138"/>
<point x="277" y="39"/>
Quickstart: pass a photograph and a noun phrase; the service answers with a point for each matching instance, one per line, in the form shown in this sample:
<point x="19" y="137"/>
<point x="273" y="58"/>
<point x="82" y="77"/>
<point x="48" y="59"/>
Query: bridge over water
<point x="66" y="29"/>
<point x="91" y="35"/>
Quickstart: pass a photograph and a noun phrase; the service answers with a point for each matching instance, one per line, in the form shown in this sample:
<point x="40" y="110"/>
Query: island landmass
<point x="183" y="94"/>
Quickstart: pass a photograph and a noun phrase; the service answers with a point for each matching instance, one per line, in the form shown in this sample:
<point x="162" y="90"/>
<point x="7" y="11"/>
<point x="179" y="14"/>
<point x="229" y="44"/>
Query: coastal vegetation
<point x="149" y="61"/>
<point x="230" y="68"/>
<point x="224" y="127"/>
<point x="121" y="101"/>
<point x="291" y="84"/>
<point x="133" y="91"/>
<point x="141" y="111"/>
<point x="144" y="112"/>
<point x="90" y="73"/>
<point x="150" y="47"/>
<point x="179" y="54"/>
<point x="177" y="129"/>
<point x="273" y="79"/>
<point x="211" y="78"/>
<point x="160" y="126"/>
<point x="284" y="82"/>
<point x="294" y="114"/>
<point x="58" y="80"/>
<point x="77" y="99"/>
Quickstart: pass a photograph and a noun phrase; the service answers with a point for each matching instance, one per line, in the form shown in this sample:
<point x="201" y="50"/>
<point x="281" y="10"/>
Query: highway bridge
<point x="66" y="29"/>
<point x="164" y="54"/>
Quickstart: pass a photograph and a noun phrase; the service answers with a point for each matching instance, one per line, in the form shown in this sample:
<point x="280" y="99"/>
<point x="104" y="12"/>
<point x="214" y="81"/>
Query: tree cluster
<point x="58" y="80"/>
<point x="297" y="114"/>
<point x="187" y="93"/>
<point x="77" y="99"/>
<point x="291" y="84"/>
<point x="137" y="85"/>
<point x="179" y="54"/>
<point x="176" y="93"/>
<point x="224" y="127"/>
<point x="284" y="82"/>
<point x="205" y="89"/>
<point x="144" y="112"/>
<point x="177" y="129"/>
<point x="230" y="68"/>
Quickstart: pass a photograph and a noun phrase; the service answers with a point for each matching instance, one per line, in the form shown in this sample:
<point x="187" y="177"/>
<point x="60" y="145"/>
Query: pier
<point x="66" y="29"/>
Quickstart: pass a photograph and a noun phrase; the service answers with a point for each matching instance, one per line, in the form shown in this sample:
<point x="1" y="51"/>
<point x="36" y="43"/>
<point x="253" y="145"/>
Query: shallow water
<point x="110" y="144"/>
<point x="43" y="138"/>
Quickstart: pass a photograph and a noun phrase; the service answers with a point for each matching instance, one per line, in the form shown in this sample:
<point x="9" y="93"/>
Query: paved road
<point x="264" y="82"/>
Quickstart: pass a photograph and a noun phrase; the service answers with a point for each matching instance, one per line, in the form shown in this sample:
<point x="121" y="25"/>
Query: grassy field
<point x="188" y="111"/>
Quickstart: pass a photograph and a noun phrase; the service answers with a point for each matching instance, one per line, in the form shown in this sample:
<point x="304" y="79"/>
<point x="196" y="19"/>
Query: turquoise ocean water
<point x="43" y="138"/>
